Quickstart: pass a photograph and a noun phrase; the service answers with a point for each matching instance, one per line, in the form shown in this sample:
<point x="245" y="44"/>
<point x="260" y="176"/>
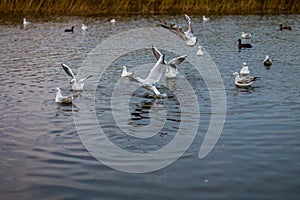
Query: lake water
<point x="43" y="156"/>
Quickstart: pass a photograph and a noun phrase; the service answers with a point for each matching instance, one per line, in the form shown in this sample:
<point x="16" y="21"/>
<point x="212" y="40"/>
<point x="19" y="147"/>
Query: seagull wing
<point x="176" y="61"/>
<point x="189" y="23"/>
<point x="68" y="70"/>
<point x="175" y="29"/>
<point x="83" y="79"/>
<point x="156" y="52"/>
<point x="156" y="72"/>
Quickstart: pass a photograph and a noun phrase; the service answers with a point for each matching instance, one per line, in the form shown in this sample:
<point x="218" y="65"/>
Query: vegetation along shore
<point x="150" y="6"/>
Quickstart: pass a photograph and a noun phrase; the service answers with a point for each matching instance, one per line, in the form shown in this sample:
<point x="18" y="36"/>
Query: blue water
<point x="43" y="157"/>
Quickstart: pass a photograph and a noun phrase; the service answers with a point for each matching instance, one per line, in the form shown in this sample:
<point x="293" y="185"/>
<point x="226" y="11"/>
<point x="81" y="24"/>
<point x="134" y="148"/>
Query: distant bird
<point x="172" y="65"/>
<point x="62" y="99"/>
<point x="200" y="51"/>
<point x="76" y="85"/>
<point x="244" y="81"/>
<point x="246" y="35"/>
<point x="84" y="27"/>
<point x="205" y="19"/>
<point x="113" y="21"/>
<point x="125" y="73"/>
<point x="187" y="36"/>
<point x="25" y="22"/>
<point x="240" y="45"/>
<point x="244" y="71"/>
<point x="153" y="77"/>
<point x="267" y="61"/>
<point x="284" y="27"/>
<point x="70" y="30"/>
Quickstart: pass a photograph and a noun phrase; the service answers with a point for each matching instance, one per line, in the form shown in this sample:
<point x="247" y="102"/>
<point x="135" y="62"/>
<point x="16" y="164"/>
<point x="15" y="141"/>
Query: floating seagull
<point x="244" y="71"/>
<point x="244" y="81"/>
<point x="125" y="73"/>
<point x="76" y="85"/>
<point x="246" y="35"/>
<point x="240" y="45"/>
<point x="25" y="22"/>
<point x="284" y="27"/>
<point x="205" y="19"/>
<point x="153" y="77"/>
<point x="113" y="21"/>
<point x="200" y="51"/>
<point x="62" y="99"/>
<point x="70" y="30"/>
<point x="267" y="61"/>
<point x="187" y="36"/>
<point x="172" y="65"/>
<point x="84" y="27"/>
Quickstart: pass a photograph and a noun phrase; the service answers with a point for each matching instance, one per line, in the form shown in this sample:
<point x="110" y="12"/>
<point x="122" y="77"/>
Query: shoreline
<point x="170" y="7"/>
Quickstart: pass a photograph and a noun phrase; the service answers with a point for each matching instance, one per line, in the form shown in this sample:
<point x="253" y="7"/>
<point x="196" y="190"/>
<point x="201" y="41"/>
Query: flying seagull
<point x="76" y="85"/>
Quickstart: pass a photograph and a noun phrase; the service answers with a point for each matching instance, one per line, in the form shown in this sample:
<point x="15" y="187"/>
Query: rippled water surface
<point x="43" y="157"/>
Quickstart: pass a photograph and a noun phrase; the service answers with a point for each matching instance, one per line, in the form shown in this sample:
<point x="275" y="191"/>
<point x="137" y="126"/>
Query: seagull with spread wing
<point x="187" y="36"/>
<point x="76" y="85"/>
<point x="153" y="77"/>
<point x="172" y="65"/>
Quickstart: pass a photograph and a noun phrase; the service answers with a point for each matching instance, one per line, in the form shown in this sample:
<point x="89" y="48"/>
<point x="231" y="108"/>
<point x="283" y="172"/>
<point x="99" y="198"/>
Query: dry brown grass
<point x="150" y="6"/>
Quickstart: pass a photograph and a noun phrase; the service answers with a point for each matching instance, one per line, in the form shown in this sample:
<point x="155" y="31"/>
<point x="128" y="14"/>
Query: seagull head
<point x="235" y="74"/>
<point x="57" y="89"/>
<point x="244" y="64"/>
<point x="72" y="81"/>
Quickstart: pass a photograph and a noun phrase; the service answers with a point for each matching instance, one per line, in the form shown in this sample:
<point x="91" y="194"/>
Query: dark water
<point x="42" y="156"/>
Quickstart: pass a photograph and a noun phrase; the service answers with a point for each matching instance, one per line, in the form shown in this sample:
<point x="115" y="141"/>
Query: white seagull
<point x="187" y="36"/>
<point x="200" y="51"/>
<point x="62" y="99"/>
<point x="172" y="65"/>
<point x="84" y="27"/>
<point x="153" y="77"/>
<point x="113" y="21"/>
<point x="76" y="85"/>
<point x="245" y="70"/>
<point x="246" y="35"/>
<point x="267" y="61"/>
<point x="205" y="19"/>
<point x="25" y="22"/>
<point x="125" y="73"/>
<point x="244" y="81"/>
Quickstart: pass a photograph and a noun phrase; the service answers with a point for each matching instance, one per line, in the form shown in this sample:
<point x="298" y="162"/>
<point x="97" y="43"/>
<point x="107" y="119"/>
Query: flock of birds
<point x="242" y="79"/>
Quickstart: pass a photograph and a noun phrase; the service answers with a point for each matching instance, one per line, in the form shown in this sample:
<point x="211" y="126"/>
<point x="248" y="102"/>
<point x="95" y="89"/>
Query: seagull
<point x="153" y="77"/>
<point x="285" y="27"/>
<point x="172" y="65"/>
<point x="187" y="36"/>
<point x="240" y="45"/>
<point x="205" y="19"/>
<point x="246" y="35"/>
<point x="62" y="99"/>
<point x="267" y="61"/>
<point x="244" y="71"/>
<point x="70" y="30"/>
<point x="84" y="27"/>
<point x="25" y="22"/>
<point x="125" y="73"/>
<point x="244" y="81"/>
<point x="113" y="21"/>
<point x="200" y="51"/>
<point x="76" y="85"/>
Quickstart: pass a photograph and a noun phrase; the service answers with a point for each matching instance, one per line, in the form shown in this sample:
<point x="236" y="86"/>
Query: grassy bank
<point x="150" y="6"/>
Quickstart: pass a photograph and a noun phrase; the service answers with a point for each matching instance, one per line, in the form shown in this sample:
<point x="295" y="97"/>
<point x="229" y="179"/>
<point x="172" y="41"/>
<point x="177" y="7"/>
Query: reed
<point x="150" y="6"/>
